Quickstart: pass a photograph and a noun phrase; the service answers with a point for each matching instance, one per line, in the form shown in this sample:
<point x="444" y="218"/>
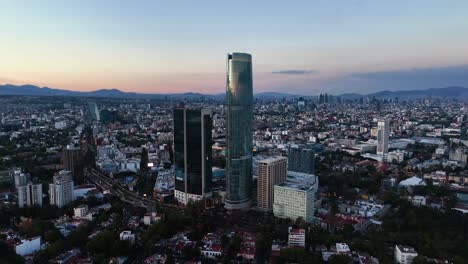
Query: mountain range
<point x="32" y="90"/>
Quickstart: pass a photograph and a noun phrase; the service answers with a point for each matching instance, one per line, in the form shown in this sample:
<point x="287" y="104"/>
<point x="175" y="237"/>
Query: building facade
<point x="239" y="104"/>
<point x="72" y="161"/>
<point x="296" y="237"/>
<point x="404" y="254"/>
<point x="192" y="154"/>
<point x="295" y="198"/>
<point x="61" y="189"/>
<point x="301" y="159"/>
<point x="29" y="195"/>
<point x="271" y="171"/>
<point x="383" y="132"/>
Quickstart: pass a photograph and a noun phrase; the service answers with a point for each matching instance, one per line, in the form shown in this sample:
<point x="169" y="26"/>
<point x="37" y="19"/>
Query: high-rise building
<point x="383" y="132"/>
<point x="295" y="198"/>
<point x="271" y="171"/>
<point x="20" y="178"/>
<point x="61" y="189"/>
<point x="192" y="154"/>
<point x="239" y="103"/>
<point x="301" y="159"/>
<point x="29" y="194"/>
<point x="93" y="112"/>
<point x="72" y="161"/>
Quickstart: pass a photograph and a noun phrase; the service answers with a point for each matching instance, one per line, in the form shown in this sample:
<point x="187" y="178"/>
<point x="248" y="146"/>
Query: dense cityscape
<point x="312" y="179"/>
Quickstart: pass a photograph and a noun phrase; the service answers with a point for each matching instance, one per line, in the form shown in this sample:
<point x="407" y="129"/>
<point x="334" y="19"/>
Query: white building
<point x="397" y="155"/>
<point x="296" y="237"/>
<point x="80" y="211"/>
<point x="28" y="246"/>
<point x="342" y="248"/>
<point x="383" y="132"/>
<point x="413" y="181"/>
<point x="20" y="177"/>
<point x="404" y="254"/>
<point x="60" y="125"/>
<point x="127" y="235"/>
<point x="417" y="200"/>
<point x="295" y="197"/>
<point x="458" y="155"/>
<point x="61" y="189"/>
<point x="29" y="195"/>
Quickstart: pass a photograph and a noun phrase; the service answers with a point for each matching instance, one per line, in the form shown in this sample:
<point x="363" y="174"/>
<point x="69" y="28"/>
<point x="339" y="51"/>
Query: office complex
<point x="383" y="132"/>
<point x="192" y="154"/>
<point x="61" y="189"/>
<point x="239" y="100"/>
<point x="271" y="171"/>
<point x="72" y="161"/>
<point x="301" y="159"/>
<point x="29" y="194"/>
<point x="295" y="197"/>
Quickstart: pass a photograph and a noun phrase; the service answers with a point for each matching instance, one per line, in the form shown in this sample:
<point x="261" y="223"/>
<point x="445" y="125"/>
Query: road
<point x="107" y="183"/>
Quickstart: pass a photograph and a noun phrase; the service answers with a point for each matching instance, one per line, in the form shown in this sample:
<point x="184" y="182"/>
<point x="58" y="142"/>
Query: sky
<point x="302" y="47"/>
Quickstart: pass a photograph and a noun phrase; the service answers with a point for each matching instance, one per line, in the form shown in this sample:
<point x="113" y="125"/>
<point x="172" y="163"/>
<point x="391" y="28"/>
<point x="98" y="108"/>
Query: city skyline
<point x="306" y="48"/>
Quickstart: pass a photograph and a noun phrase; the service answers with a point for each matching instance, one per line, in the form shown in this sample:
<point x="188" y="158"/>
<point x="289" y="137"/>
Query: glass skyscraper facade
<point x="192" y="153"/>
<point x="239" y="103"/>
<point x="301" y="159"/>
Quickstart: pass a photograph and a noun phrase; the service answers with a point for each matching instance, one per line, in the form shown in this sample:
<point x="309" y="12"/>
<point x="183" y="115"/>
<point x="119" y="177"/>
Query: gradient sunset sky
<point x="302" y="47"/>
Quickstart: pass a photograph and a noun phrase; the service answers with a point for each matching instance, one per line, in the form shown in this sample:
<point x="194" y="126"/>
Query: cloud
<point x="372" y="81"/>
<point x="294" y="72"/>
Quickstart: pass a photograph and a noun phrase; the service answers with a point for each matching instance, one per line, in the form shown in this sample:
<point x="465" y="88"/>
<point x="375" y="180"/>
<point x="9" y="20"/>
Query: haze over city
<point x="302" y="47"/>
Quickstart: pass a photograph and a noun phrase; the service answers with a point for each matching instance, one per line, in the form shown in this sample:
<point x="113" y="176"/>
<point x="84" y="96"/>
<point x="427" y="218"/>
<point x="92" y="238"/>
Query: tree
<point x="7" y="255"/>
<point x="339" y="259"/>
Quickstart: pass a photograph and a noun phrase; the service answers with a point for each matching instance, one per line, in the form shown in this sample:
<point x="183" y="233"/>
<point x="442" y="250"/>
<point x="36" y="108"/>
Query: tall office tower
<point x="239" y="104"/>
<point x="271" y="171"/>
<point x="192" y="154"/>
<point x="61" y="189"/>
<point x="383" y="132"/>
<point x="301" y="159"/>
<point x="72" y="161"/>
<point x="93" y="112"/>
<point x="29" y="195"/>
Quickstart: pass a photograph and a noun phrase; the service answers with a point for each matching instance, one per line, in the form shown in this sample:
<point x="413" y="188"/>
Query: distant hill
<point x="274" y="95"/>
<point x="9" y="89"/>
<point x="455" y="92"/>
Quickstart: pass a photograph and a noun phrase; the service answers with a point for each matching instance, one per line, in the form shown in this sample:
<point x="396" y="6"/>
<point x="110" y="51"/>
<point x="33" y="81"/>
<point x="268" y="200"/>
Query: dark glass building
<point x="301" y="159"/>
<point x="239" y="103"/>
<point x="192" y="153"/>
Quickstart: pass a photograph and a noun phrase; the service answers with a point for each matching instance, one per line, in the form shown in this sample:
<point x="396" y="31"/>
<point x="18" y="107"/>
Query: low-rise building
<point x="404" y="254"/>
<point x="28" y="246"/>
<point x="296" y="237"/>
<point x="127" y="235"/>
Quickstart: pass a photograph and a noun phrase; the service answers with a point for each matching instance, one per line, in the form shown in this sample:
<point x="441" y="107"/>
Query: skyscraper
<point x="271" y="171"/>
<point x="72" y="161"/>
<point x="61" y="189"/>
<point x="383" y="132"/>
<point x="93" y="112"/>
<point x="192" y="154"/>
<point x="301" y="159"/>
<point x="239" y="103"/>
